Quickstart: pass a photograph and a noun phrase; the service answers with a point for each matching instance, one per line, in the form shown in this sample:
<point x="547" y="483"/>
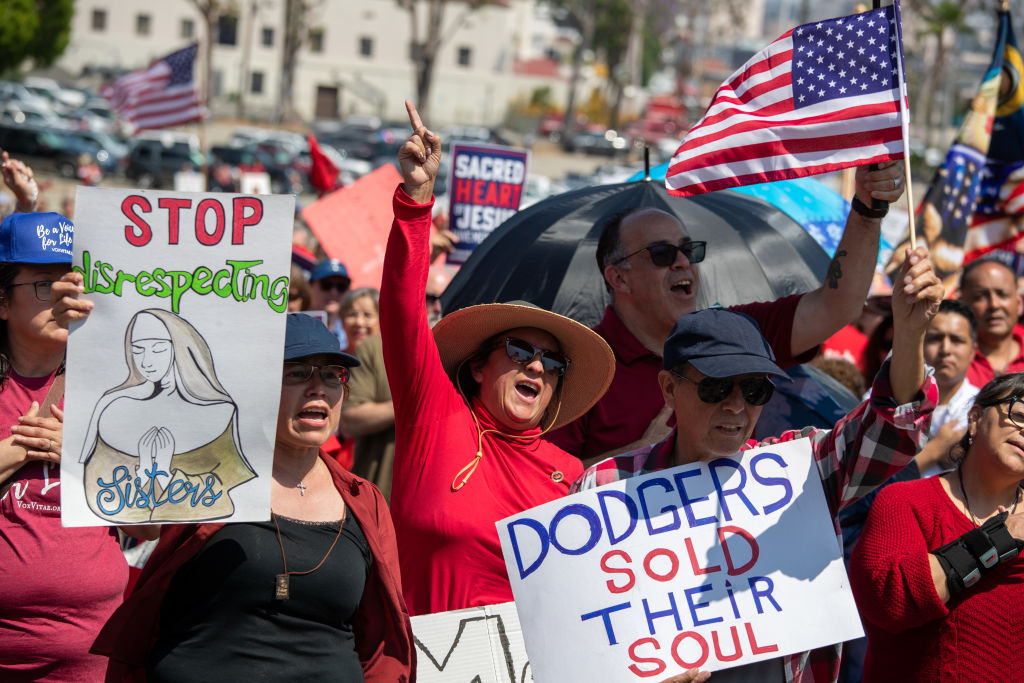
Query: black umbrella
<point x="545" y="253"/>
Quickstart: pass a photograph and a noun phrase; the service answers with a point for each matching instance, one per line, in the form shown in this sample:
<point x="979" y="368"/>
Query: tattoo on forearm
<point x="835" y="271"/>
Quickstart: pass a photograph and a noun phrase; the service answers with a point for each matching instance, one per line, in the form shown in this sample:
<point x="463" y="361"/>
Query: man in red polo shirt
<point x="989" y="287"/>
<point x="648" y="261"/>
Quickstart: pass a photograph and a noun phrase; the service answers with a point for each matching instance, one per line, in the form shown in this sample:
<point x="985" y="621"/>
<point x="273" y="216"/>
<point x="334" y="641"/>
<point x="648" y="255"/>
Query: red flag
<point x="163" y="94"/>
<point x="324" y="174"/>
<point x="822" y="97"/>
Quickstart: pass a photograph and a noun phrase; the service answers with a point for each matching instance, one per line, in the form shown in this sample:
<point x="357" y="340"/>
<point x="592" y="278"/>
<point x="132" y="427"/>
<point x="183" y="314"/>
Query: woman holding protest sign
<point x="471" y="403"/>
<point x="61" y="584"/>
<point x="938" y="574"/>
<point x="313" y="594"/>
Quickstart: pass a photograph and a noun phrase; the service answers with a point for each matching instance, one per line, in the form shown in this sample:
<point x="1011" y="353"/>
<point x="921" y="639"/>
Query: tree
<point x="429" y="36"/>
<point x="33" y="29"/>
<point x="210" y="12"/>
<point x="297" y="23"/>
<point x="942" y="19"/>
<point x="51" y="39"/>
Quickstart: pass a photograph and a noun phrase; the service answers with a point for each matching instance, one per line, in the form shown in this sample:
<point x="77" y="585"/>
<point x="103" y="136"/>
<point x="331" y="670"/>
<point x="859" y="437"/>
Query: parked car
<point x="111" y="154"/>
<point x="45" y="149"/>
<point x="152" y="161"/>
<point x="284" y="179"/>
<point x="608" y="144"/>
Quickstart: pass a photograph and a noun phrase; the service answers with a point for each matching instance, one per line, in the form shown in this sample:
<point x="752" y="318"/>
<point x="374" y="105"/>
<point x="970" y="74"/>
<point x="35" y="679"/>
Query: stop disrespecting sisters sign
<point x="708" y="565"/>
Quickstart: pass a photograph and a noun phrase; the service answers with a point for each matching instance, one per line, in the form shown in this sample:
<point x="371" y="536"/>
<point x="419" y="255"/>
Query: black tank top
<point x="220" y="621"/>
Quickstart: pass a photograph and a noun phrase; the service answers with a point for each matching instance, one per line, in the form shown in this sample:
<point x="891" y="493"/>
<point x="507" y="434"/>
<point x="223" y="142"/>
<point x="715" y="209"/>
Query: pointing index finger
<point x="414" y="117"/>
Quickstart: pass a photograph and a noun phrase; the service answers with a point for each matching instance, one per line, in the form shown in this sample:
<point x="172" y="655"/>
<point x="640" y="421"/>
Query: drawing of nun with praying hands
<point x="163" y="445"/>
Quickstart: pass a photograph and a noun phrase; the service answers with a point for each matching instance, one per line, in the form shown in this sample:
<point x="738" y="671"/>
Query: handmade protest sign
<point x="708" y="565"/>
<point x="486" y="186"/>
<point x="172" y="392"/>
<point x="483" y="644"/>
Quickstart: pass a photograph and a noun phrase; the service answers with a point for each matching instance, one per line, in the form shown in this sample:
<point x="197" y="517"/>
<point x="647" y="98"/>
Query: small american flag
<point x="163" y="94"/>
<point x="822" y="97"/>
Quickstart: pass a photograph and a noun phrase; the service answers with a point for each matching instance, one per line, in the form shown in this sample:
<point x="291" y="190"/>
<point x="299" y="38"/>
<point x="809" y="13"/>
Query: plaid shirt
<point x="864" y="449"/>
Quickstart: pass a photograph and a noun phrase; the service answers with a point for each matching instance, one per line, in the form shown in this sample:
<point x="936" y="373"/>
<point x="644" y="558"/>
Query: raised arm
<point x="916" y="295"/>
<point x="824" y="311"/>
<point x="413" y="366"/>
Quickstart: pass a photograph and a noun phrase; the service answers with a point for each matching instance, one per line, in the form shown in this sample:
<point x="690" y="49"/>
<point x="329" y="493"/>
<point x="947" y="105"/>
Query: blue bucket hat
<point x="719" y="343"/>
<point x="306" y="336"/>
<point x="36" y="238"/>
<point x="329" y="268"/>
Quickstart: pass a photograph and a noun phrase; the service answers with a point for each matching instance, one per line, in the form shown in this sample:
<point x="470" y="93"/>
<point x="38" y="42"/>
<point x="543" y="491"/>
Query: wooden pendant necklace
<point x="282" y="580"/>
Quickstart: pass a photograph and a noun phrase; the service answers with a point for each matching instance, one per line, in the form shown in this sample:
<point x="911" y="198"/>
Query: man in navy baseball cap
<point x="330" y="281"/>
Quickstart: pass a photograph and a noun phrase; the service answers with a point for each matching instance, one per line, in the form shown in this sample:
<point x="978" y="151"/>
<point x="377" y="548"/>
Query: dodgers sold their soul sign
<point x="172" y="393"/>
<point x="486" y="187"/>
<point x="708" y="565"/>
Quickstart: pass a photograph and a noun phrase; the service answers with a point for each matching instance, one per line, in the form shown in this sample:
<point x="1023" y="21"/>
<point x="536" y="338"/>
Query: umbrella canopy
<point x="811" y="203"/>
<point x="545" y="253"/>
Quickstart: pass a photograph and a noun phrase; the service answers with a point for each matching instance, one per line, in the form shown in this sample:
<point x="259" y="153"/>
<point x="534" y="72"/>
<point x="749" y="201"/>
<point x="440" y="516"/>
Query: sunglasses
<point x="664" y="255"/>
<point x="523" y="352"/>
<point x="340" y="286"/>
<point x="756" y="390"/>
<point x="432" y="299"/>
<point x="330" y="375"/>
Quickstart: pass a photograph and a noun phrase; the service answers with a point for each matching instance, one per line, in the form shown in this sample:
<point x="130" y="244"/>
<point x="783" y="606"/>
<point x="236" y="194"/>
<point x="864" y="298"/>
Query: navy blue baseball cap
<point x="306" y="336"/>
<point x="329" y="268"/>
<point x="719" y="343"/>
<point x="36" y="238"/>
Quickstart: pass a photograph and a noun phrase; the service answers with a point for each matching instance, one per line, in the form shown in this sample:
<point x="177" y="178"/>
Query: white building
<point x="355" y="58"/>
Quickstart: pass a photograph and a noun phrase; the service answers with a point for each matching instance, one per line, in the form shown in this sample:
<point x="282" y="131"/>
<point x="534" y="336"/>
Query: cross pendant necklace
<point x="302" y="488"/>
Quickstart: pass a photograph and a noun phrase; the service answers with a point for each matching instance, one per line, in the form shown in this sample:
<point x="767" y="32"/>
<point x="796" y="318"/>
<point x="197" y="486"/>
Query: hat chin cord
<point x="467" y="471"/>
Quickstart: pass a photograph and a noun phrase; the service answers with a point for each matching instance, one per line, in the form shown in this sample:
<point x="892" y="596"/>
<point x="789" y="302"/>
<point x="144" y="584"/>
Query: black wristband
<point x="865" y="210"/>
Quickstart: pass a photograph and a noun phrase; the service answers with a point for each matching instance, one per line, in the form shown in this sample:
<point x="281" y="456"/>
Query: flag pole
<point x="905" y="126"/>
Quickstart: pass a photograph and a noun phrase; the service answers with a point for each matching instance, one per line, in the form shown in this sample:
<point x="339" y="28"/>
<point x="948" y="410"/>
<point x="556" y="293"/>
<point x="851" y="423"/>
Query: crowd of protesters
<point x="411" y="430"/>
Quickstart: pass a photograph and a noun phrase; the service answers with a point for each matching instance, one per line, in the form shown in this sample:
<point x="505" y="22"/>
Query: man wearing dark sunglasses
<point x="649" y="263"/>
<point x="716" y="376"/>
<point x="329" y="281"/>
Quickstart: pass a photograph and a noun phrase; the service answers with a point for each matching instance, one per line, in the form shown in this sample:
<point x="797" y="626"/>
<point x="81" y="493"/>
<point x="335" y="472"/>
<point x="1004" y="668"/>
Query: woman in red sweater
<point x="471" y="403"/>
<point x="937" y="574"/>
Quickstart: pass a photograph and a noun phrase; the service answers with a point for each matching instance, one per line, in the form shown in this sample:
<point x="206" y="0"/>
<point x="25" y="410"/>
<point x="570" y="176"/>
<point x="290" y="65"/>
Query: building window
<point x="465" y="56"/>
<point x="227" y="29"/>
<point x="365" y="46"/>
<point x="316" y="40"/>
<point x="218" y="83"/>
<point x="99" y="20"/>
<point x="188" y="28"/>
<point x="268" y="37"/>
<point x="256" y="82"/>
<point x="142" y="24"/>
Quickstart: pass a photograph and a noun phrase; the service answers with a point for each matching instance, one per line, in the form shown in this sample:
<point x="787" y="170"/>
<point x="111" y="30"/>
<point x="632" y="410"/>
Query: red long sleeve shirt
<point x="912" y="635"/>
<point x="448" y="544"/>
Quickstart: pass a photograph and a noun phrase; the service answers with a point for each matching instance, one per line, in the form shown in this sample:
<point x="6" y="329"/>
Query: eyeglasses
<point x="330" y="375"/>
<point x="42" y="288"/>
<point x="432" y="299"/>
<point x="339" y="286"/>
<point x="523" y="352"/>
<point x="1015" y="411"/>
<point x="664" y="255"/>
<point x="756" y="390"/>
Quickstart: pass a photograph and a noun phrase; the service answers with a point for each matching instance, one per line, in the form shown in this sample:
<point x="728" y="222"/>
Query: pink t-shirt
<point x="59" y="585"/>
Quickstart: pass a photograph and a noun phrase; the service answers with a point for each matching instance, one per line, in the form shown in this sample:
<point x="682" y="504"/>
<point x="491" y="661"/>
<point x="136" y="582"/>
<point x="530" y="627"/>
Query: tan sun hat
<point x="591" y="363"/>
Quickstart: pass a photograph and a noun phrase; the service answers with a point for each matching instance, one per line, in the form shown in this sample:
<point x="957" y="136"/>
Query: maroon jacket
<point x="383" y="633"/>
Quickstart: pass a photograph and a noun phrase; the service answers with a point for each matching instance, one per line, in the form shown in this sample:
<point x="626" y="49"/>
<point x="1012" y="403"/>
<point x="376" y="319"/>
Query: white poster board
<point x="254" y="182"/>
<point x="172" y="393"/>
<point x="708" y="565"/>
<point x="482" y="644"/>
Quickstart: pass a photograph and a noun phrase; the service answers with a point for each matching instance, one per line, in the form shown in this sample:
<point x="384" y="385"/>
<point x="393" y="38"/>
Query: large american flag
<point x="163" y="94"/>
<point x="822" y="97"/>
